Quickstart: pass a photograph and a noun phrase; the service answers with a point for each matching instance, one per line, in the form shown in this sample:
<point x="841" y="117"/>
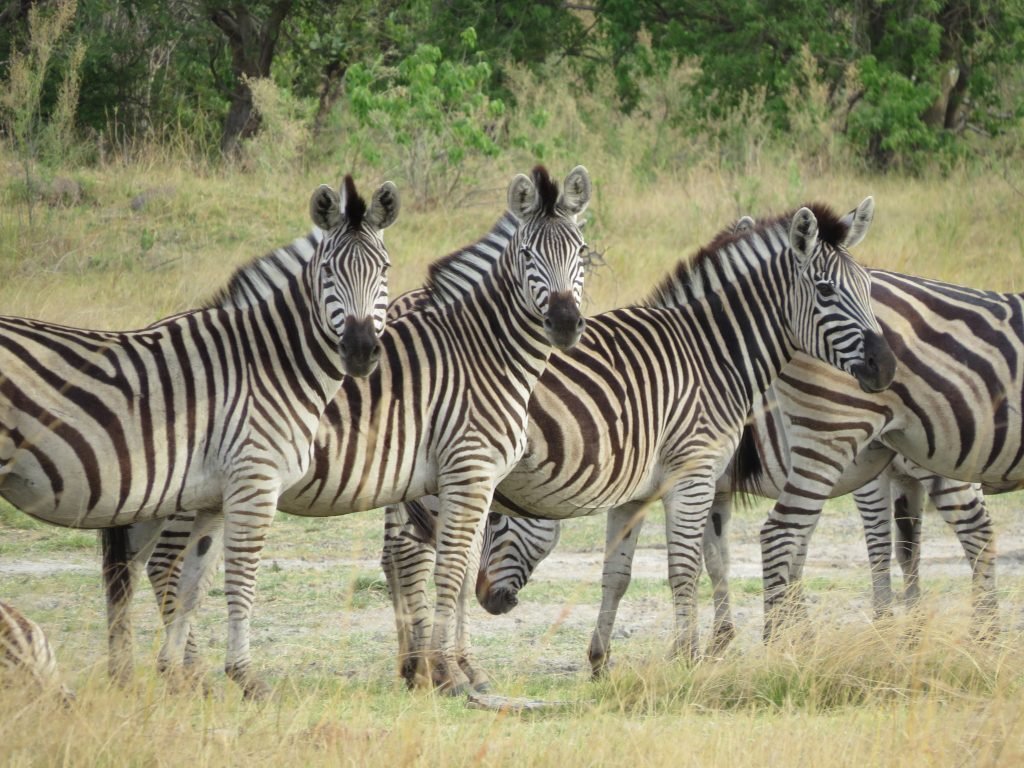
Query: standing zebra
<point x="444" y="413"/>
<point x="211" y="412"/>
<point x="955" y="410"/>
<point x="26" y="653"/>
<point x="653" y="401"/>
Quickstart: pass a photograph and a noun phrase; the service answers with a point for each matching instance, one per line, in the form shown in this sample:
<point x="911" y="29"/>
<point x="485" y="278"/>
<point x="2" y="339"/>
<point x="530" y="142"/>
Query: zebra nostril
<point x="375" y="353"/>
<point x="581" y="324"/>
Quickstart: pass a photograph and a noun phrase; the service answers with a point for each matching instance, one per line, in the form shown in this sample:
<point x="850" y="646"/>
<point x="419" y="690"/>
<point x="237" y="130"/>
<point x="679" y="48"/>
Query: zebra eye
<point x="826" y="288"/>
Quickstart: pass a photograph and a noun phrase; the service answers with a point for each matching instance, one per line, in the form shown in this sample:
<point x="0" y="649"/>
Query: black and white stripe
<point x="211" y="411"/>
<point x="26" y="654"/>
<point x="445" y="411"/>
<point x="652" y="402"/>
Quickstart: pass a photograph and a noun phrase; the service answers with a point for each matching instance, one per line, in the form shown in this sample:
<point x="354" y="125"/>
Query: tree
<point x="252" y="31"/>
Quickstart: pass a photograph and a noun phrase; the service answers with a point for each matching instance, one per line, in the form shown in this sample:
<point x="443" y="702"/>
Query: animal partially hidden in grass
<point x="26" y="655"/>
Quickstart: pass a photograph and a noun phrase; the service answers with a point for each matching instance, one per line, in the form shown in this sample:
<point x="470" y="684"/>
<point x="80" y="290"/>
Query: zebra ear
<point x="384" y="207"/>
<point x="575" y="192"/>
<point x="325" y="208"/>
<point x="522" y="197"/>
<point x="803" y="236"/>
<point x="858" y="220"/>
<point x="743" y="224"/>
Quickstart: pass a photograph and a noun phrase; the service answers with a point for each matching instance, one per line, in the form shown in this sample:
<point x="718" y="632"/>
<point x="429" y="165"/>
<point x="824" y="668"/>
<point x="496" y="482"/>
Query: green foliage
<point x="427" y="118"/>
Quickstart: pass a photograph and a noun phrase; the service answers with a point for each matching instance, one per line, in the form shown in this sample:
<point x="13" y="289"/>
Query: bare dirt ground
<point x="303" y="609"/>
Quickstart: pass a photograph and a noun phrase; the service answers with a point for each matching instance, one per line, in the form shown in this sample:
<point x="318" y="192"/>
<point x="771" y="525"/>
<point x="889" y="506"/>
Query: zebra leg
<point x="248" y="513"/>
<point x="687" y="508"/>
<point x="908" y="508"/>
<point x="478" y="679"/>
<point x="165" y="565"/>
<point x="125" y="548"/>
<point x="180" y="582"/>
<point x="716" y="560"/>
<point x="621" y="535"/>
<point x="784" y="538"/>
<point x="408" y="562"/>
<point x="962" y="505"/>
<point x="460" y="528"/>
<point x="874" y="502"/>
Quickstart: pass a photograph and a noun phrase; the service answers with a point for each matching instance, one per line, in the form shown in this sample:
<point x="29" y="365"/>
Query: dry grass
<point x="852" y="697"/>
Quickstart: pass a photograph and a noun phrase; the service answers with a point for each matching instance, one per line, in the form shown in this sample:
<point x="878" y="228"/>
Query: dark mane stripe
<point x="547" y="190"/>
<point x="264" y="275"/>
<point x="355" y="206"/>
<point x="675" y="288"/>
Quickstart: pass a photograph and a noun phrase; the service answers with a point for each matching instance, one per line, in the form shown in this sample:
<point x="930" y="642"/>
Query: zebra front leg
<point x="962" y="505"/>
<point x="125" y="548"/>
<point x="248" y="513"/>
<point x="408" y="562"/>
<point x="874" y="503"/>
<point x="459" y="529"/>
<point x="716" y="560"/>
<point x="621" y="535"/>
<point x="478" y="679"/>
<point x="687" y="507"/>
<point x="784" y="536"/>
<point x="181" y="570"/>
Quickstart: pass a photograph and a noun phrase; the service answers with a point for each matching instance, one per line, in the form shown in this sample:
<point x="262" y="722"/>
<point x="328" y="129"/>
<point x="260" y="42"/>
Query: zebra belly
<point x="75" y="495"/>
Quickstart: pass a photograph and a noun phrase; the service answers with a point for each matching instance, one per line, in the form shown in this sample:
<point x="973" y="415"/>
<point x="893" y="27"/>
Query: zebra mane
<point x="355" y="206"/>
<point x="684" y="282"/>
<point x="266" y="275"/>
<point x="452" y="278"/>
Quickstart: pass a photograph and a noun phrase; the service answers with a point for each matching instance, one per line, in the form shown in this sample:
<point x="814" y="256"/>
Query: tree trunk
<point x="252" y="51"/>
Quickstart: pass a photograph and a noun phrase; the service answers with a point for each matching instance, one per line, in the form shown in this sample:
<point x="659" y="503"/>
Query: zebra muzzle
<point x="360" y="347"/>
<point x="878" y="369"/>
<point x="564" y="323"/>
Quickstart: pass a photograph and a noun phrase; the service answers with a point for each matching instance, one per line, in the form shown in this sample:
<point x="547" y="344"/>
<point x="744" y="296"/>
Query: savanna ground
<point x="146" y="239"/>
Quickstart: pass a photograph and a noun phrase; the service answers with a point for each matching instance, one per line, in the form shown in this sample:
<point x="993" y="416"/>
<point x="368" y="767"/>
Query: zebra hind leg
<point x="181" y="572"/>
<point x="716" y="560"/>
<point x="962" y="505"/>
<point x="621" y="534"/>
<point x="124" y="550"/>
<point x="874" y="503"/>
<point x="407" y="560"/>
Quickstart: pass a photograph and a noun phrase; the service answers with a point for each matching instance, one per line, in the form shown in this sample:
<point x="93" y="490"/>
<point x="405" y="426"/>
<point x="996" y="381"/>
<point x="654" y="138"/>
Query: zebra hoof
<point x="484" y="686"/>
<point x="253" y="688"/>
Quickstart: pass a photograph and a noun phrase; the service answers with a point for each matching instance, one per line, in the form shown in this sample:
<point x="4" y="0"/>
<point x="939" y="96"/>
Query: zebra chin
<point x="878" y="368"/>
<point x="360" y="347"/>
<point x="564" y="323"/>
<point x="497" y="601"/>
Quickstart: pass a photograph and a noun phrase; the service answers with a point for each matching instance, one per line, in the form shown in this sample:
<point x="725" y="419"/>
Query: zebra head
<point x="512" y="548"/>
<point x="832" y="318"/>
<point x="351" y="264"/>
<point x="548" y="247"/>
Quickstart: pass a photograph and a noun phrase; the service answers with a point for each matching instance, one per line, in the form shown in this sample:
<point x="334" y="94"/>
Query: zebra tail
<point x="747" y="469"/>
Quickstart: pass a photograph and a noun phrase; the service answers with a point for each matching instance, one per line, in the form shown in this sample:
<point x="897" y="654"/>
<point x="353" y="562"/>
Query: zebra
<point x="954" y="410"/>
<point x="652" y="403"/>
<point x="26" y="654"/>
<point x="514" y="547"/>
<point x="211" y="411"/>
<point x="444" y="413"/>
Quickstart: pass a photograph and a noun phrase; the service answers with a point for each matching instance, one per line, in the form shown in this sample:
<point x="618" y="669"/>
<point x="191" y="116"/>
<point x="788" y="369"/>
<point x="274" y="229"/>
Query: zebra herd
<point x="759" y="364"/>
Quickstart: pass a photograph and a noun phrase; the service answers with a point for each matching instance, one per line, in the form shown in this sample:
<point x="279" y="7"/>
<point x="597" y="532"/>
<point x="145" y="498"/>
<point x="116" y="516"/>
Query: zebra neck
<point x="289" y="336"/>
<point x="505" y="328"/>
<point x="747" y="298"/>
